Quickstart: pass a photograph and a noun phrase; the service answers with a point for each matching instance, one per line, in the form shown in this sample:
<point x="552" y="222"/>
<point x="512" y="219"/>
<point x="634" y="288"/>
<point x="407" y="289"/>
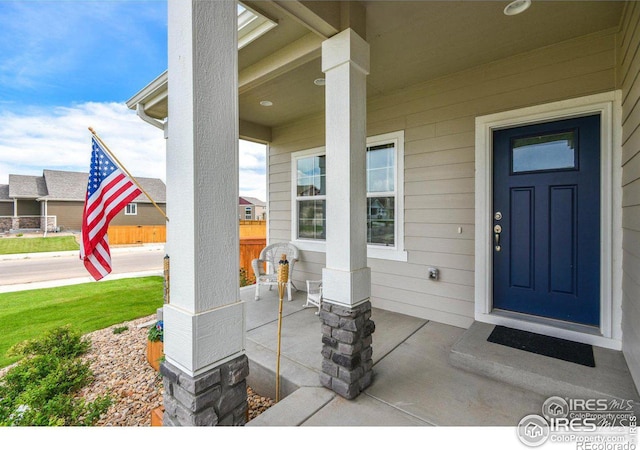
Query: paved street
<point x="42" y="269"/>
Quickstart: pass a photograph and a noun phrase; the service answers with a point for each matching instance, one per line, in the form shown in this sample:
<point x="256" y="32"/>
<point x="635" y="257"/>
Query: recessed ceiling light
<point x="266" y="103"/>
<point x="516" y="7"/>
<point x="319" y="81"/>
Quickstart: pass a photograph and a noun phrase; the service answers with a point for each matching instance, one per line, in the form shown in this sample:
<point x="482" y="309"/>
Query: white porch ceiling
<point x="411" y="42"/>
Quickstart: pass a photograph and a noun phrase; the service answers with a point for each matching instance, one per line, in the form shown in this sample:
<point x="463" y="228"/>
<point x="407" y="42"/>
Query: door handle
<point x="496" y="236"/>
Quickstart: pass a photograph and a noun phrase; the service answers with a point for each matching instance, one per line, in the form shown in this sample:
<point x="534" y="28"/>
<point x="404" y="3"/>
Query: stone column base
<point x="346" y="338"/>
<point x="217" y="397"/>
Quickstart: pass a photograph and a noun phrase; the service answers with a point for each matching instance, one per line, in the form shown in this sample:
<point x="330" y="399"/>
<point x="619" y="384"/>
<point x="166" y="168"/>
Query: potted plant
<point x="155" y="346"/>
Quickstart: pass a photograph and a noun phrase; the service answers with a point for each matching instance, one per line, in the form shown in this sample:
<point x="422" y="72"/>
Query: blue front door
<point x="546" y="224"/>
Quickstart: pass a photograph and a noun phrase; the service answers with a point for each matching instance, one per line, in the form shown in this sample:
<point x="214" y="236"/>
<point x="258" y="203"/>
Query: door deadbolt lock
<point x="497" y="215"/>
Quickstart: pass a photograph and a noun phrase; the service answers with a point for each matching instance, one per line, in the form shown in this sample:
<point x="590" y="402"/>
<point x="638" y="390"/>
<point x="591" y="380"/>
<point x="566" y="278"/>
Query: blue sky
<point x="67" y="65"/>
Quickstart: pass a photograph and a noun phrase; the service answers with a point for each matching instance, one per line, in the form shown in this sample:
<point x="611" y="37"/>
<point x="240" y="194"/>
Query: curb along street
<point x="76" y="253"/>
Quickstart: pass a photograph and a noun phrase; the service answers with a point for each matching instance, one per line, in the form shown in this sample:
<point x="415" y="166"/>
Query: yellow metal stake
<point x="283" y="278"/>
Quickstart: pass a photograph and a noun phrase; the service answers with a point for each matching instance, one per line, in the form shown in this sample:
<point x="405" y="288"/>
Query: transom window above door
<point x="556" y="151"/>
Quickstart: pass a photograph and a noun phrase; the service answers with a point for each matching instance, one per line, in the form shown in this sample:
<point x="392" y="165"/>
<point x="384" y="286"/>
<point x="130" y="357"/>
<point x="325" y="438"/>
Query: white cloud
<point x="59" y="139"/>
<point x="253" y="181"/>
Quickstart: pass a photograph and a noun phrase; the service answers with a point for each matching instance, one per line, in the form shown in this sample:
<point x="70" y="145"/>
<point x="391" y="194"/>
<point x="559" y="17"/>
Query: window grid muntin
<point x="131" y="209"/>
<point x="397" y="252"/>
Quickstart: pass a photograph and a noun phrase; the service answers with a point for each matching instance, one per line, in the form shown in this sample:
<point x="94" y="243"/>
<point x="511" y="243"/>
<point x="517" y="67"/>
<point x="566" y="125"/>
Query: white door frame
<point x="608" y="105"/>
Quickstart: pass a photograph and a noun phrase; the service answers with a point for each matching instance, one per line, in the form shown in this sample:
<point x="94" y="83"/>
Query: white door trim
<point x="608" y="105"/>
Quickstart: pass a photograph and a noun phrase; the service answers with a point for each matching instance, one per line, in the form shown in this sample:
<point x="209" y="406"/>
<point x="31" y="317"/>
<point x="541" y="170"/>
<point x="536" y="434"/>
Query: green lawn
<point x="86" y="307"/>
<point x="36" y="245"/>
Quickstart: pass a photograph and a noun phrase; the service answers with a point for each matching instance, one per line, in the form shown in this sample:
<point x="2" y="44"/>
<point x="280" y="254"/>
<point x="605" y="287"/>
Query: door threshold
<point x="550" y="327"/>
<point x="577" y="327"/>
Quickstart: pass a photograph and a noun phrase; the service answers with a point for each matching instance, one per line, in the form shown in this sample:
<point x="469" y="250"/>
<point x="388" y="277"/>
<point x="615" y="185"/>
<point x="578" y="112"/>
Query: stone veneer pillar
<point x="205" y="363"/>
<point x="218" y="397"/>
<point x="346" y="310"/>
<point x="346" y="350"/>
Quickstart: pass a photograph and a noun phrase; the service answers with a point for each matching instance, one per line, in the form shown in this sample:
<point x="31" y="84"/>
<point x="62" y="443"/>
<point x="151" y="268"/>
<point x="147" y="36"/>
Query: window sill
<point x="374" y="252"/>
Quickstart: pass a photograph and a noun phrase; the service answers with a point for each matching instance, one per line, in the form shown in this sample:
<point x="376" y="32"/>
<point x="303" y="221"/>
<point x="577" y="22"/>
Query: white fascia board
<point x="158" y="88"/>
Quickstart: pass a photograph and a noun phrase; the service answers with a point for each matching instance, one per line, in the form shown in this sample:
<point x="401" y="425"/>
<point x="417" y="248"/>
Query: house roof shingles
<point x="26" y="186"/>
<point x="72" y="186"/>
<point x="252" y="201"/>
<point x="63" y="185"/>
<point x="69" y="186"/>
<point x="4" y="193"/>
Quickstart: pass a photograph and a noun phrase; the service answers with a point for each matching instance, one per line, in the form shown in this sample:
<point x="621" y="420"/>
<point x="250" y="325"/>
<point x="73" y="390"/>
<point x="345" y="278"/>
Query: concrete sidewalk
<point x="74" y="276"/>
<point x="76" y="253"/>
<point x="415" y="383"/>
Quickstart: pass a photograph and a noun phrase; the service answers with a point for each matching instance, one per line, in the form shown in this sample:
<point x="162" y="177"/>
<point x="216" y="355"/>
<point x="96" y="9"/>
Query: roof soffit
<point x="411" y="42"/>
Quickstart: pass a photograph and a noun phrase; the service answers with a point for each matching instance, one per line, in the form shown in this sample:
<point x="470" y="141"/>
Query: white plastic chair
<point x="269" y="256"/>
<point x="314" y="294"/>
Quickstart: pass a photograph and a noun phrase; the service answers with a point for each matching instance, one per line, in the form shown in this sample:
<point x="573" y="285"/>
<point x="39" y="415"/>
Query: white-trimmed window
<point x="248" y="213"/>
<point x="385" y="199"/>
<point x="310" y="194"/>
<point x="131" y="209"/>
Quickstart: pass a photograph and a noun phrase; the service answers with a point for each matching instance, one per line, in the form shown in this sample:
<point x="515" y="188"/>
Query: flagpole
<point x="127" y="172"/>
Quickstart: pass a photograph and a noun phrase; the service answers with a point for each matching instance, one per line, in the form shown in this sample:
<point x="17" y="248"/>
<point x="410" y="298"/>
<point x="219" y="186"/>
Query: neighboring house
<point x="503" y="150"/>
<point x="59" y="196"/>
<point x="251" y="208"/>
<point x="6" y="203"/>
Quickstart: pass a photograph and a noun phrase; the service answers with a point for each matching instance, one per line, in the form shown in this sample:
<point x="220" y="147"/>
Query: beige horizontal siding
<point x="451" y="215"/>
<point x="628" y="57"/>
<point x="631" y="218"/>
<point x="438" y="118"/>
<point x="28" y="207"/>
<point x="6" y="208"/>
<point x="448" y="172"/>
<point x="69" y="214"/>
<point x="147" y="214"/>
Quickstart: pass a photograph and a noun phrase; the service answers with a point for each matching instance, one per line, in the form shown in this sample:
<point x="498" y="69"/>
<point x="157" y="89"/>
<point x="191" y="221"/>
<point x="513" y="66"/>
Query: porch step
<point x="541" y="374"/>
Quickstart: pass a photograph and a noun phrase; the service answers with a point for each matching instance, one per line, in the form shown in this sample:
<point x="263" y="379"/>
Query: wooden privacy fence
<point x="253" y="238"/>
<point x="250" y="249"/>
<point x="137" y="234"/>
<point x="253" y="228"/>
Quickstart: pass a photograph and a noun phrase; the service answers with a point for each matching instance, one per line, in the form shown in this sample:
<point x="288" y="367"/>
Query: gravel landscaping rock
<point x="120" y="368"/>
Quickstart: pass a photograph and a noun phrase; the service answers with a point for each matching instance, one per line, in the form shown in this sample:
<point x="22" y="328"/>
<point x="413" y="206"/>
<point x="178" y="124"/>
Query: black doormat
<point x="543" y="345"/>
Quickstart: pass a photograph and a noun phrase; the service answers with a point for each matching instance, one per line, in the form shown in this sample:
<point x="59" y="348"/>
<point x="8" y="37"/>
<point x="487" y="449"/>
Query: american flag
<point x="108" y="191"/>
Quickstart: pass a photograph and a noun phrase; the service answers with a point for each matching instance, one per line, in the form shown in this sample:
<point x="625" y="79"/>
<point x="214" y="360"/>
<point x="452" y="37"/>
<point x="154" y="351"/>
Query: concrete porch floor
<point x="415" y="382"/>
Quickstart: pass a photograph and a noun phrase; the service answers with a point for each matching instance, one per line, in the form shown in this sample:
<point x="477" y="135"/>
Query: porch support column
<point x="15" y="221"/>
<point x="44" y="221"/>
<point x="205" y="366"/>
<point x="346" y="310"/>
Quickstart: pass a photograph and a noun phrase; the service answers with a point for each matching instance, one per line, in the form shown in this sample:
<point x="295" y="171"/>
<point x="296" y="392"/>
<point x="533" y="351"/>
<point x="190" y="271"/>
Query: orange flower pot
<point x="156" y="416"/>
<point x="155" y="352"/>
